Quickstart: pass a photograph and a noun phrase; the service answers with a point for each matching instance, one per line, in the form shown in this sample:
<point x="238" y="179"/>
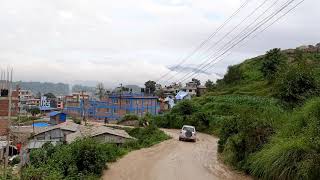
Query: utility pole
<point x="9" y="84"/>
<point x="120" y="99"/>
<point x="83" y="109"/>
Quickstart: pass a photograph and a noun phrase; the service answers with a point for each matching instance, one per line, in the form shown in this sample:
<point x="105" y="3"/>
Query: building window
<point x="190" y="90"/>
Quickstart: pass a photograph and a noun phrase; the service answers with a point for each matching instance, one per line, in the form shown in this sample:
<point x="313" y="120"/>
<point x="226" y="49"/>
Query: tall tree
<point x="197" y="81"/>
<point x="233" y="75"/>
<point x="100" y="91"/>
<point x="209" y="84"/>
<point x="38" y="95"/>
<point x="160" y="93"/>
<point x="50" y="95"/>
<point x="272" y="63"/>
<point x="150" y="86"/>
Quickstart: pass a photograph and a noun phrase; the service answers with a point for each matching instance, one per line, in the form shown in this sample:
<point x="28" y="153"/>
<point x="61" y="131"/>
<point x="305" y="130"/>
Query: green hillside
<point x="266" y="112"/>
<point x="248" y="79"/>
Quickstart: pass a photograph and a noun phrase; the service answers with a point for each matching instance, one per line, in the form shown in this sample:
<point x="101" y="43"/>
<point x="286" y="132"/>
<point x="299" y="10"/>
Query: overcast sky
<point x="132" y="41"/>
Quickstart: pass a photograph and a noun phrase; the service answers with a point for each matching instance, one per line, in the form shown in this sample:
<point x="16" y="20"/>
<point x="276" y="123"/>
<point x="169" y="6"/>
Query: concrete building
<point x="34" y="102"/>
<point x="60" y="102"/>
<point x="194" y="89"/>
<point x="201" y="90"/>
<point x="172" y="89"/>
<point x="114" y="106"/>
<point x="25" y="94"/>
<point x="191" y="88"/>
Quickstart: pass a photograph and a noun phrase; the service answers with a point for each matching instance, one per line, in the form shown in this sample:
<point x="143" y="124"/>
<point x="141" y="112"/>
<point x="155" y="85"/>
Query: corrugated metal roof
<point x="92" y="131"/>
<point x="54" y="113"/>
<point x="68" y="125"/>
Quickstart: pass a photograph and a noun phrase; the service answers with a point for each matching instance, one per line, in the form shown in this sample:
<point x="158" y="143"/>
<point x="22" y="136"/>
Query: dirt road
<point x="173" y="160"/>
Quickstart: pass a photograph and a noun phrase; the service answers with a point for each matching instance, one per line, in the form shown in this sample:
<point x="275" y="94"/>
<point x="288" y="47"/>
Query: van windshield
<point x="188" y="129"/>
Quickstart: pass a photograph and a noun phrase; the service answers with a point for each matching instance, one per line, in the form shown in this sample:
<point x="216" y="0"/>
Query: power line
<point x="276" y="20"/>
<point x="227" y="34"/>
<point x="260" y="24"/>
<point x="243" y="32"/>
<point x="208" y="39"/>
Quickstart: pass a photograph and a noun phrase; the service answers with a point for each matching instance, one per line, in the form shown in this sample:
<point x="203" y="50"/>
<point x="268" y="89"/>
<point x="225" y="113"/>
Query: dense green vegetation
<point x="266" y="112"/>
<point x="86" y="158"/>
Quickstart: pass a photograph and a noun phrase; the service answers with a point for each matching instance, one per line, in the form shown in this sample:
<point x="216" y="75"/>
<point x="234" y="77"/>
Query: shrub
<point x="129" y="117"/>
<point x="145" y="120"/>
<point x="84" y="157"/>
<point x="146" y="137"/>
<point x="296" y="85"/>
<point x="185" y="108"/>
<point x="40" y="173"/>
<point x="76" y="120"/>
<point x="15" y="161"/>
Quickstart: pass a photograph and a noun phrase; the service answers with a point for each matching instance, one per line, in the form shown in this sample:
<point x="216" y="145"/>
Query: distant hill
<point x="135" y="88"/>
<point x="89" y="89"/>
<point x="58" y="89"/>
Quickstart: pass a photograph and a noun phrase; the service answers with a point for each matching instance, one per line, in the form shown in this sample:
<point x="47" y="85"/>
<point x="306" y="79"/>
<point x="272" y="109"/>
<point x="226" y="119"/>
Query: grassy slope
<point x="252" y="81"/>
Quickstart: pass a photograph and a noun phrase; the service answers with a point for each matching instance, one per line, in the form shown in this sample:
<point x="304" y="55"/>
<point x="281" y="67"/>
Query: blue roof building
<point x="57" y="117"/>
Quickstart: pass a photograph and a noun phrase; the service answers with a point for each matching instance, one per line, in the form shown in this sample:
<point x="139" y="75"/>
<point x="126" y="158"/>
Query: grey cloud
<point x="129" y="41"/>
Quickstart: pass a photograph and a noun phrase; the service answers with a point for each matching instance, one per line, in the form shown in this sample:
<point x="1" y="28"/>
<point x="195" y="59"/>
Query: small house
<point x="68" y="132"/>
<point x="57" y="132"/>
<point x="57" y="117"/>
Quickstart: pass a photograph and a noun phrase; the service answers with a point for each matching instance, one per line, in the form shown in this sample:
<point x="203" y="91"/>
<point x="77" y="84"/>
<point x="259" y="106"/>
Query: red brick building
<point x="4" y="107"/>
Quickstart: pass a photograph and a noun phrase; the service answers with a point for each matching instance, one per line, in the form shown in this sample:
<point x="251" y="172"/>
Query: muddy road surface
<point x="174" y="160"/>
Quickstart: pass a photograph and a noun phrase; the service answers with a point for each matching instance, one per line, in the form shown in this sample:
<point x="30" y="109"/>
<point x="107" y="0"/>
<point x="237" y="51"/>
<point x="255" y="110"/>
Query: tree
<point x="150" y="86"/>
<point x="38" y="95"/>
<point x="233" y="75"/>
<point x="34" y="111"/>
<point x="273" y="61"/>
<point x="197" y="81"/>
<point x="50" y="95"/>
<point x="209" y="84"/>
<point x="160" y="93"/>
<point x="100" y="91"/>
